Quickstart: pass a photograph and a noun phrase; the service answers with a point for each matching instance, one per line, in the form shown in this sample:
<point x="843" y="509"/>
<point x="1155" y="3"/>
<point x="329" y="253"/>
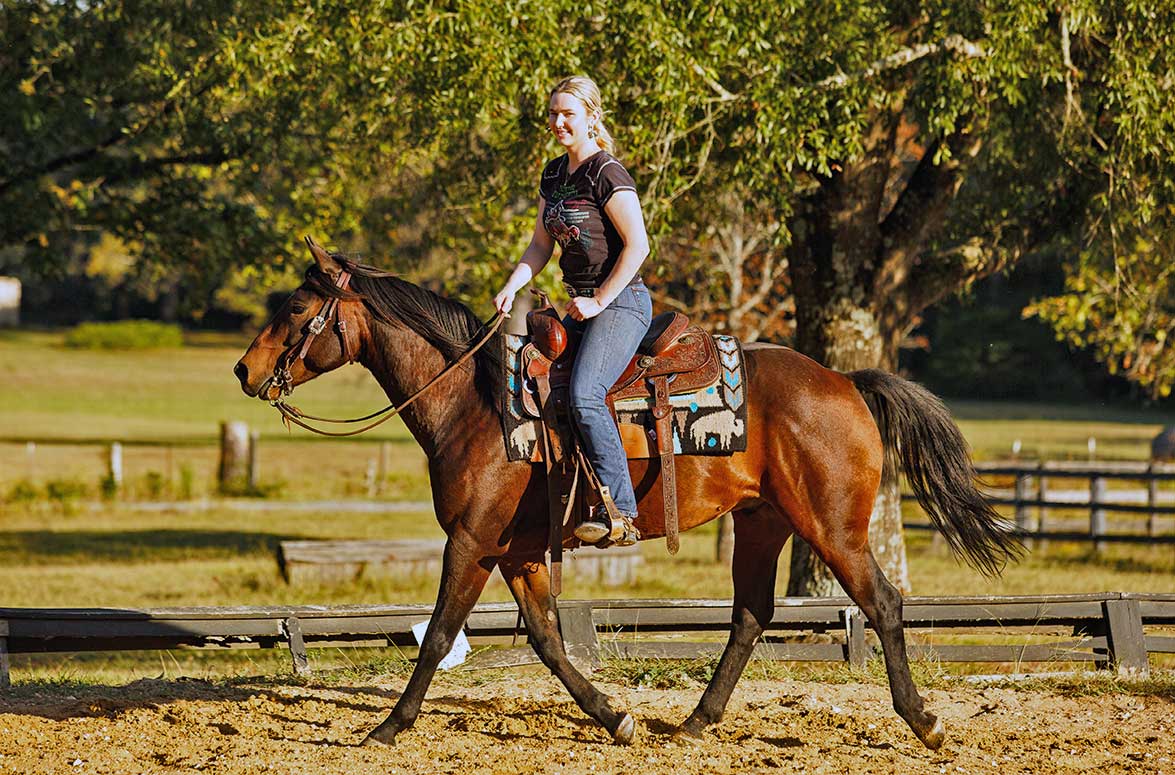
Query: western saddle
<point x="674" y="357"/>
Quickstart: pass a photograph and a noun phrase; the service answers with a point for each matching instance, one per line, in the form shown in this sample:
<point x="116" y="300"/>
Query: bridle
<point x="283" y="379"/>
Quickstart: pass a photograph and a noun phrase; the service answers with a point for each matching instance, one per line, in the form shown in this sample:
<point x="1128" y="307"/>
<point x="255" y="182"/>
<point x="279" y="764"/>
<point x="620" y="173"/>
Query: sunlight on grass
<point x="65" y="546"/>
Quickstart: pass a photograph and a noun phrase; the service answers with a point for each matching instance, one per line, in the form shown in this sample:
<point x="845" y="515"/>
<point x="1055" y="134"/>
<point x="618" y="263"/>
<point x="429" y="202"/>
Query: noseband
<point x="281" y="378"/>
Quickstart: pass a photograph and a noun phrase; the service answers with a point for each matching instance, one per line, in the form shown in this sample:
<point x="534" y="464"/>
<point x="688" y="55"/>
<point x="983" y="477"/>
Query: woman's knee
<point x="586" y="395"/>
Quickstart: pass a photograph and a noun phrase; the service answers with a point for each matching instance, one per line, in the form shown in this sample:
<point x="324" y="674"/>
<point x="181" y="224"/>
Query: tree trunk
<point x="858" y="345"/>
<point x="836" y="251"/>
<point x="724" y="549"/>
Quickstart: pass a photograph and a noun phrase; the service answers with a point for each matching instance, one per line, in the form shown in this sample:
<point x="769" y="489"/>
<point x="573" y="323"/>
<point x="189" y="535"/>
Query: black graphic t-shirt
<point x="575" y="217"/>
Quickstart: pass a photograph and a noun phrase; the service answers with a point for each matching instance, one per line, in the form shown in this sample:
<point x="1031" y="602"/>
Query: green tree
<point x="904" y="149"/>
<point x="157" y="123"/>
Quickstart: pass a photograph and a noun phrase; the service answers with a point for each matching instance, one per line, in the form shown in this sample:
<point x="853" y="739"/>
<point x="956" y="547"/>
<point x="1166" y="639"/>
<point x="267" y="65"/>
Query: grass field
<point x="72" y="549"/>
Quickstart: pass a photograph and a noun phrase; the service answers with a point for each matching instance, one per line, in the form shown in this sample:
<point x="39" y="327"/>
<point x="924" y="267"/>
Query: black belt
<point x="590" y="291"/>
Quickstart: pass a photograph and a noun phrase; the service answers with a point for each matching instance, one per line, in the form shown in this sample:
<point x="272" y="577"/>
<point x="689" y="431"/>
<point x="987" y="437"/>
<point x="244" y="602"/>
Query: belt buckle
<point x="572" y="291"/>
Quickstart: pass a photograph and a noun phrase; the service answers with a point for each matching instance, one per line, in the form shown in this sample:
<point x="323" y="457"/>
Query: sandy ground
<point x="525" y="723"/>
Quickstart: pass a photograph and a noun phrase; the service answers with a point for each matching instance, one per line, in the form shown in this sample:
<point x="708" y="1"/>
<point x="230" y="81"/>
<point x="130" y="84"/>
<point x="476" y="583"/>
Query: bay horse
<point x="812" y="468"/>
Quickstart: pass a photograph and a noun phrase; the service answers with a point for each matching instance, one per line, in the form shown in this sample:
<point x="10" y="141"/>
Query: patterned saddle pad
<point x="707" y="421"/>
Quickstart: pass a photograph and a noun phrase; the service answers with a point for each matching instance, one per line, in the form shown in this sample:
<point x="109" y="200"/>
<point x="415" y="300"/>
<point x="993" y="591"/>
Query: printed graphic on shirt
<point x="566" y="224"/>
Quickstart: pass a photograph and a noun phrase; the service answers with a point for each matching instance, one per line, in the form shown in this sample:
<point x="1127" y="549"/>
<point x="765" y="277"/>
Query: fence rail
<point x="1032" y="499"/>
<point x="1111" y="629"/>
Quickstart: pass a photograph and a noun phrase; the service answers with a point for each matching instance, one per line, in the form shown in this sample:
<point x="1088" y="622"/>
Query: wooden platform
<point x="342" y="562"/>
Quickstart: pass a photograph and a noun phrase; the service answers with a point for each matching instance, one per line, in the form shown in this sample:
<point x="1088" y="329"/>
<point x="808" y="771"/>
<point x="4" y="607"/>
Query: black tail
<point x="917" y="430"/>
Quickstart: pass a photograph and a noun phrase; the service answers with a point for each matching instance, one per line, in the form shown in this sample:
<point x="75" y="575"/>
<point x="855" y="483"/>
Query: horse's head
<point x="315" y="330"/>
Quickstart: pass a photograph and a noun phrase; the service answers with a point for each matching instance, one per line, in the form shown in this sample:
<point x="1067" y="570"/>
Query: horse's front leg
<point x="530" y="582"/>
<point x="463" y="577"/>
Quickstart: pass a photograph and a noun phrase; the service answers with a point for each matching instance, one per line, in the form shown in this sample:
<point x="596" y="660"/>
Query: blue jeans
<point x="609" y="341"/>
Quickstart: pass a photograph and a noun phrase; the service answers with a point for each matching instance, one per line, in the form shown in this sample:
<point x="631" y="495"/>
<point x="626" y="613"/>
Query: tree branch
<point x="954" y="43"/>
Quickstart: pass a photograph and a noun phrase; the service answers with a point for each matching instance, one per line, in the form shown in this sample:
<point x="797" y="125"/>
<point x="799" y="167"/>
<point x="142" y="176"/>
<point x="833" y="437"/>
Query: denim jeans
<point x="609" y="341"/>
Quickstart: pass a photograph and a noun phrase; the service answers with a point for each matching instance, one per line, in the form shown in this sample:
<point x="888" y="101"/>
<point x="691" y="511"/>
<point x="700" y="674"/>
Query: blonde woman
<point x="588" y="204"/>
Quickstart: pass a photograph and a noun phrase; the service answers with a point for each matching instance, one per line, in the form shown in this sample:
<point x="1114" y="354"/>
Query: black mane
<point x="448" y="325"/>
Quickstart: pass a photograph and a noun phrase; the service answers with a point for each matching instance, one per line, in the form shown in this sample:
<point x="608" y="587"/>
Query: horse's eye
<point x="297" y="308"/>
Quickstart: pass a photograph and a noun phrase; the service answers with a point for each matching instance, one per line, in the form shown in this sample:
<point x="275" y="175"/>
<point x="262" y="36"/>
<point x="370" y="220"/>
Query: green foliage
<point x="945" y="139"/>
<point x="124" y="335"/>
<point x="108" y="487"/>
<point x="66" y="493"/>
<point x="1123" y="307"/>
<point x="22" y="492"/>
<point x="187" y="483"/>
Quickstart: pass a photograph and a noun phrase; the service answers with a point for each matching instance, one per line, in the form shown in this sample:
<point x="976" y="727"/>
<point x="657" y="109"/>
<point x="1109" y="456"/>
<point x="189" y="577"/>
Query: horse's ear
<point x="325" y="261"/>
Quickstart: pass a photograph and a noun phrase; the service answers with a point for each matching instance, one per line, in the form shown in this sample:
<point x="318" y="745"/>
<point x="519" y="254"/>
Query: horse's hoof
<point x="935" y="737"/>
<point x="684" y="737"/>
<point x="625" y="730"/>
<point x="376" y="738"/>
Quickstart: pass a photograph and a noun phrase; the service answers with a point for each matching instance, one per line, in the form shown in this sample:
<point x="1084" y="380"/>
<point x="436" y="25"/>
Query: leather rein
<point x="282" y="379"/>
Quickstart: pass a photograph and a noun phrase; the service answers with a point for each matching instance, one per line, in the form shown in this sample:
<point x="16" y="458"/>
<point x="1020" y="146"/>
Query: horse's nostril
<point x="242" y="372"/>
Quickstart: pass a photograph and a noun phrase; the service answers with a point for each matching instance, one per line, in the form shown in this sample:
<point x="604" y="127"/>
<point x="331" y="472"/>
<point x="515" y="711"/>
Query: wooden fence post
<point x="1125" y="638"/>
<point x="1042" y="496"/>
<point x="381" y="474"/>
<point x="254" y="441"/>
<point x="114" y="466"/>
<point x="5" y="681"/>
<point x="293" y="631"/>
<point x="579" y="636"/>
<point x="1152" y="500"/>
<point x="234" y="455"/>
<point x="724" y="548"/>
<point x="1097" y="514"/>
<point x="1023" y="520"/>
<point x="855" y="649"/>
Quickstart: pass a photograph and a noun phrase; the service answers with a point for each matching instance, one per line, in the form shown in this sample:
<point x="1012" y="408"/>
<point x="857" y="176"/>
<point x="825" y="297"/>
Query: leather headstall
<point x="282" y="379"/>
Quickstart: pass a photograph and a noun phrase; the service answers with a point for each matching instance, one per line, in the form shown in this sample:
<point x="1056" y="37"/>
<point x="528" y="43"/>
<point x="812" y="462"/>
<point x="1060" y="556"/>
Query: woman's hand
<point x="584" y="308"/>
<point x="504" y="301"/>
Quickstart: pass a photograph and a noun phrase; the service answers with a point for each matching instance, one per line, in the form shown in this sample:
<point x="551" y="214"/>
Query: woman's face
<point x="569" y="120"/>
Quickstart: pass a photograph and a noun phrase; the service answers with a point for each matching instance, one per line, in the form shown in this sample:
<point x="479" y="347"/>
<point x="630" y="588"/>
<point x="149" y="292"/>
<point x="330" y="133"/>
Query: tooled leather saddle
<point x="674" y="357"/>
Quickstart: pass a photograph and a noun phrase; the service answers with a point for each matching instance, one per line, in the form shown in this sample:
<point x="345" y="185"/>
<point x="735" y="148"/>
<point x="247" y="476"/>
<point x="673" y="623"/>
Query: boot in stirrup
<point x="596" y="527"/>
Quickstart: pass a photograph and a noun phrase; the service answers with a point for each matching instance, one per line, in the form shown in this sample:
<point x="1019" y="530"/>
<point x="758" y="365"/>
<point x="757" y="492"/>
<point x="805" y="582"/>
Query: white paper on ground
<point x="456" y="655"/>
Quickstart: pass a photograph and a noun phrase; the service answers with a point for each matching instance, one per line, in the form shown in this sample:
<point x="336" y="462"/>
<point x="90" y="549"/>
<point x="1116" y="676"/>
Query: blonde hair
<point x="585" y="89"/>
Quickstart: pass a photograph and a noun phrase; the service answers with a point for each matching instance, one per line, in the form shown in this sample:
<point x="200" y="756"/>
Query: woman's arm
<point x="624" y="210"/>
<point x="534" y="258"/>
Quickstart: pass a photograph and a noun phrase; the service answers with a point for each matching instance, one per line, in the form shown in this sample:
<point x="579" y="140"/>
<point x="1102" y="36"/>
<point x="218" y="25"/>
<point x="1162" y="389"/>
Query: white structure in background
<point x="9" y="301"/>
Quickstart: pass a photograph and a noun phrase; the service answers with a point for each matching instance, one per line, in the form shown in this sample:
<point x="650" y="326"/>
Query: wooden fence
<point x="1109" y="629"/>
<point x="1033" y="496"/>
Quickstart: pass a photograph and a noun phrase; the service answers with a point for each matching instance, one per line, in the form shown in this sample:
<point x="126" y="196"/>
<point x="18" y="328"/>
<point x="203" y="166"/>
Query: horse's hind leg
<point x="463" y="577"/>
<point x="758" y="538"/>
<point x="851" y="560"/>
<point x="529" y="581"/>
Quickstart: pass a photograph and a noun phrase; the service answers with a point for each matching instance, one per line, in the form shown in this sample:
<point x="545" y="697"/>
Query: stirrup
<point x="623" y="533"/>
<point x="601" y="521"/>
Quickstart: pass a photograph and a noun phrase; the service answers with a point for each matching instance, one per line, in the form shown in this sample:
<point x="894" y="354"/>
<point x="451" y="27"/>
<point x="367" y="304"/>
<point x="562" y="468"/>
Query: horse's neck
<point x="403" y="362"/>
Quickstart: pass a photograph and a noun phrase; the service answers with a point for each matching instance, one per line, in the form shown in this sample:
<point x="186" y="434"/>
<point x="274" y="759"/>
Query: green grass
<point x="125" y="335"/>
<point x="166" y="406"/>
<point x="118" y="557"/>
<point x="49" y="392"/>
<point x="1058" y="431"/>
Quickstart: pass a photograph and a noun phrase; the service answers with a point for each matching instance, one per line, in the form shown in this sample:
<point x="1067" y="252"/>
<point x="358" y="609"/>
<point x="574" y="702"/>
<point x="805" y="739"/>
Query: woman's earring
<point x="592" y="133"/>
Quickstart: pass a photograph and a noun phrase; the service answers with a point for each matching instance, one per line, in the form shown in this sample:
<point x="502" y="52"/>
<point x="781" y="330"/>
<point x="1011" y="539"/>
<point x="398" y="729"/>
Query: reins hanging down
<point x="292" y="414"/>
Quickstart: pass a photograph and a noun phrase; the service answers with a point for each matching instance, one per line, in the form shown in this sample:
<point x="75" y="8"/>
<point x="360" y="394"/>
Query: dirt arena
<point x="525" y="723"/>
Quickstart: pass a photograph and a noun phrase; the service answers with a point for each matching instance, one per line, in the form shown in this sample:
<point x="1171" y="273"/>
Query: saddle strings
<point x="292" y="414"/>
